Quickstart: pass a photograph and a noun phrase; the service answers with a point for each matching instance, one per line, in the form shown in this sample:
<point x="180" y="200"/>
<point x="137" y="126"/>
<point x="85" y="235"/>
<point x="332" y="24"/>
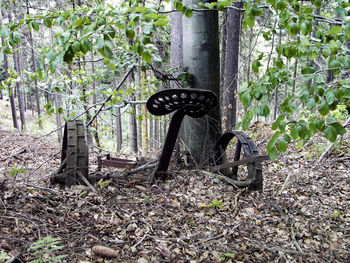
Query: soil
<point x="192" y="217"/>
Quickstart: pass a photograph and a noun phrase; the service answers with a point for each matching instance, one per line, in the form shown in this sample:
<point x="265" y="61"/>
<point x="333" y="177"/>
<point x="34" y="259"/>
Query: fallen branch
<point x="13" y="155"/>
<point x="87" y="182"/>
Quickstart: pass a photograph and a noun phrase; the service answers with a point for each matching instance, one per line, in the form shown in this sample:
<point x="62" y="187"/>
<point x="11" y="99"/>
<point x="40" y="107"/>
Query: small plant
<point x="46" y="249"/>
<point x="214" y="203"/>
<point x="227" y="256"/>
<point x="3" y="256"/>
<point x="15" y="170"/>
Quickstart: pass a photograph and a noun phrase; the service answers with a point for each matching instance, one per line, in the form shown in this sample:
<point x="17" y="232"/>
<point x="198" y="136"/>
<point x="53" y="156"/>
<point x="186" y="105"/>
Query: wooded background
<point x="282" y="62"/>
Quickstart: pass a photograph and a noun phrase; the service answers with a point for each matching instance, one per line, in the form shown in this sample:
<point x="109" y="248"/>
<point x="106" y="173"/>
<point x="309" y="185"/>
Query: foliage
<point x="15" y="170"/>
<point x="46" y="249"/>
<point x="3" y="256"/>
<point x="324" y="43"/>
<point x="215" y="203"/>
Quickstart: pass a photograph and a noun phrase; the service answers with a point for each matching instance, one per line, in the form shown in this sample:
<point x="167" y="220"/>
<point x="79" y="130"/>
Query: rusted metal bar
<point x="248" y="160"/>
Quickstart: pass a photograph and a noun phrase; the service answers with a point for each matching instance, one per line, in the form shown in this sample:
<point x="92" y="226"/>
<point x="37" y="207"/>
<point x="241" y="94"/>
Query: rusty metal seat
<point x="192" y="102"/>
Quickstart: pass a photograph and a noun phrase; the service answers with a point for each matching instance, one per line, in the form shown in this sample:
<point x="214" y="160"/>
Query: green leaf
<point x="277" y="122"/>
<point x="347" y="29"/>
<point x="86" y="45"/>
<point x="273" y="154"/>
<point x="340" y="129"/>
<point x="323" y="109"/>
<point x="107" y="51"/>
<point x="330" y="97"/>
<point x="47" y="22"/>
<point x="311" y="104"/>
<point x="187" y="12"/>
<point x="130" y="33"/>
<point x="6" y="50"/>
<point x="76" y="46"/>
<point x="262" y="110"/>
<point x="141" y="9"/>
<point x="255" y="66"/>
<point x="161" y="22"/>
<point x="35" y="25"/>
<point x="178" y="5"/>
<point x="271" y="144"/>
<point x="335" y="30"/>
<point x="282" y="145"/>
<point x="294" y="132"/>
<point x="331" y="133"/>
<point x="146" y="56"/>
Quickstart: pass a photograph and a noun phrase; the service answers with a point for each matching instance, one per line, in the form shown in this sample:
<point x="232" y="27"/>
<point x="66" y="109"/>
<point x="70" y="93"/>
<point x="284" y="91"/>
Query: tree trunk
<point x="233" y="33"/>
<point x="31" y="42"/>
<point x="16" y="59"/>
<point x="10" y="91"/>
<point x="201" y="57"/>
<point x="144" y="129"/>
<point x="118" y="124"/>
<point x="176" y="43"/>
<point x="132" y="119"/>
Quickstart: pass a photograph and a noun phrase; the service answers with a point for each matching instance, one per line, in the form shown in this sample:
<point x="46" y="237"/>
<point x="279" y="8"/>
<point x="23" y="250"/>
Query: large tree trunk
<point x="233" y="34"/>
<point x="201" y="57"/>
<point x="176" y="53"/>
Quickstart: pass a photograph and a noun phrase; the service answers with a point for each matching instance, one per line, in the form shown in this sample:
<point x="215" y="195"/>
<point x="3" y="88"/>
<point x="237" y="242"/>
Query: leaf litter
<point x="193" y="217"/>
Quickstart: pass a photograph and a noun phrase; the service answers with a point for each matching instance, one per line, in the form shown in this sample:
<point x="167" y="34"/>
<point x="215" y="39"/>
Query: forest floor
<point x="193" y="217"/>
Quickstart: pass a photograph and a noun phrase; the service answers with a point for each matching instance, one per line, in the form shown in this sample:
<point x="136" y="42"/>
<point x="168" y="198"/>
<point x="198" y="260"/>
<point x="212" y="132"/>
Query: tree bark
<point x="132" y="119"/>
<point x="17" y="65"/>
<point x="31" y="42"/>
<point x="10" y="91"/>
<point x="233" y="34"/>
<point x="201" y="57"/>
<point x="118" y="124"/>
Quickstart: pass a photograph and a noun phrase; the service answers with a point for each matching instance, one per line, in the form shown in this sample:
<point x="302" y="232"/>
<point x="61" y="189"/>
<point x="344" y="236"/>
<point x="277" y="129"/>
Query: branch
<point x="108" y="99"/>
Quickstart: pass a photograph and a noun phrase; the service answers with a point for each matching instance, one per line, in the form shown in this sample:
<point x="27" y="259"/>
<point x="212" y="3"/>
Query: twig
<point x="235" y="211"/>
<point x="326" y="152"/>
<point x="278" y="249"/>
<point x="87" y="182"/>
<point x="109" y="98"/>
<point x="143" y="238"/>
<point x="13" y="155"/>
<point x="143" y="167"/>
<point x="224" y="234"/>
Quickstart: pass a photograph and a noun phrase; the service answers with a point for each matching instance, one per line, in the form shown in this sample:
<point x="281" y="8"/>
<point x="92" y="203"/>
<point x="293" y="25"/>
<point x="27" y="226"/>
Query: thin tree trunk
<point x="17" y="65"/>
<point x="118" y="123"/>
<point x="10" y="91"/>
<point x="132" y="119"/>
<point x="31" y="42"/>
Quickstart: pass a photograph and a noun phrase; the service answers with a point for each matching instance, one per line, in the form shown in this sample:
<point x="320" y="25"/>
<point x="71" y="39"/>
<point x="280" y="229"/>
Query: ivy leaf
<point x="294" y="132"/>
<point x="331" y="133"/>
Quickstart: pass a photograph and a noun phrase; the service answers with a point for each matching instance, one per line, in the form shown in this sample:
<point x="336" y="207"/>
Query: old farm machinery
<point x="194" y="103"/>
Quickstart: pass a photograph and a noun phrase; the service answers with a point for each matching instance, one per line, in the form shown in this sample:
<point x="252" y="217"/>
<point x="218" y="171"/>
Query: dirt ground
<point x="193" y="217"/>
